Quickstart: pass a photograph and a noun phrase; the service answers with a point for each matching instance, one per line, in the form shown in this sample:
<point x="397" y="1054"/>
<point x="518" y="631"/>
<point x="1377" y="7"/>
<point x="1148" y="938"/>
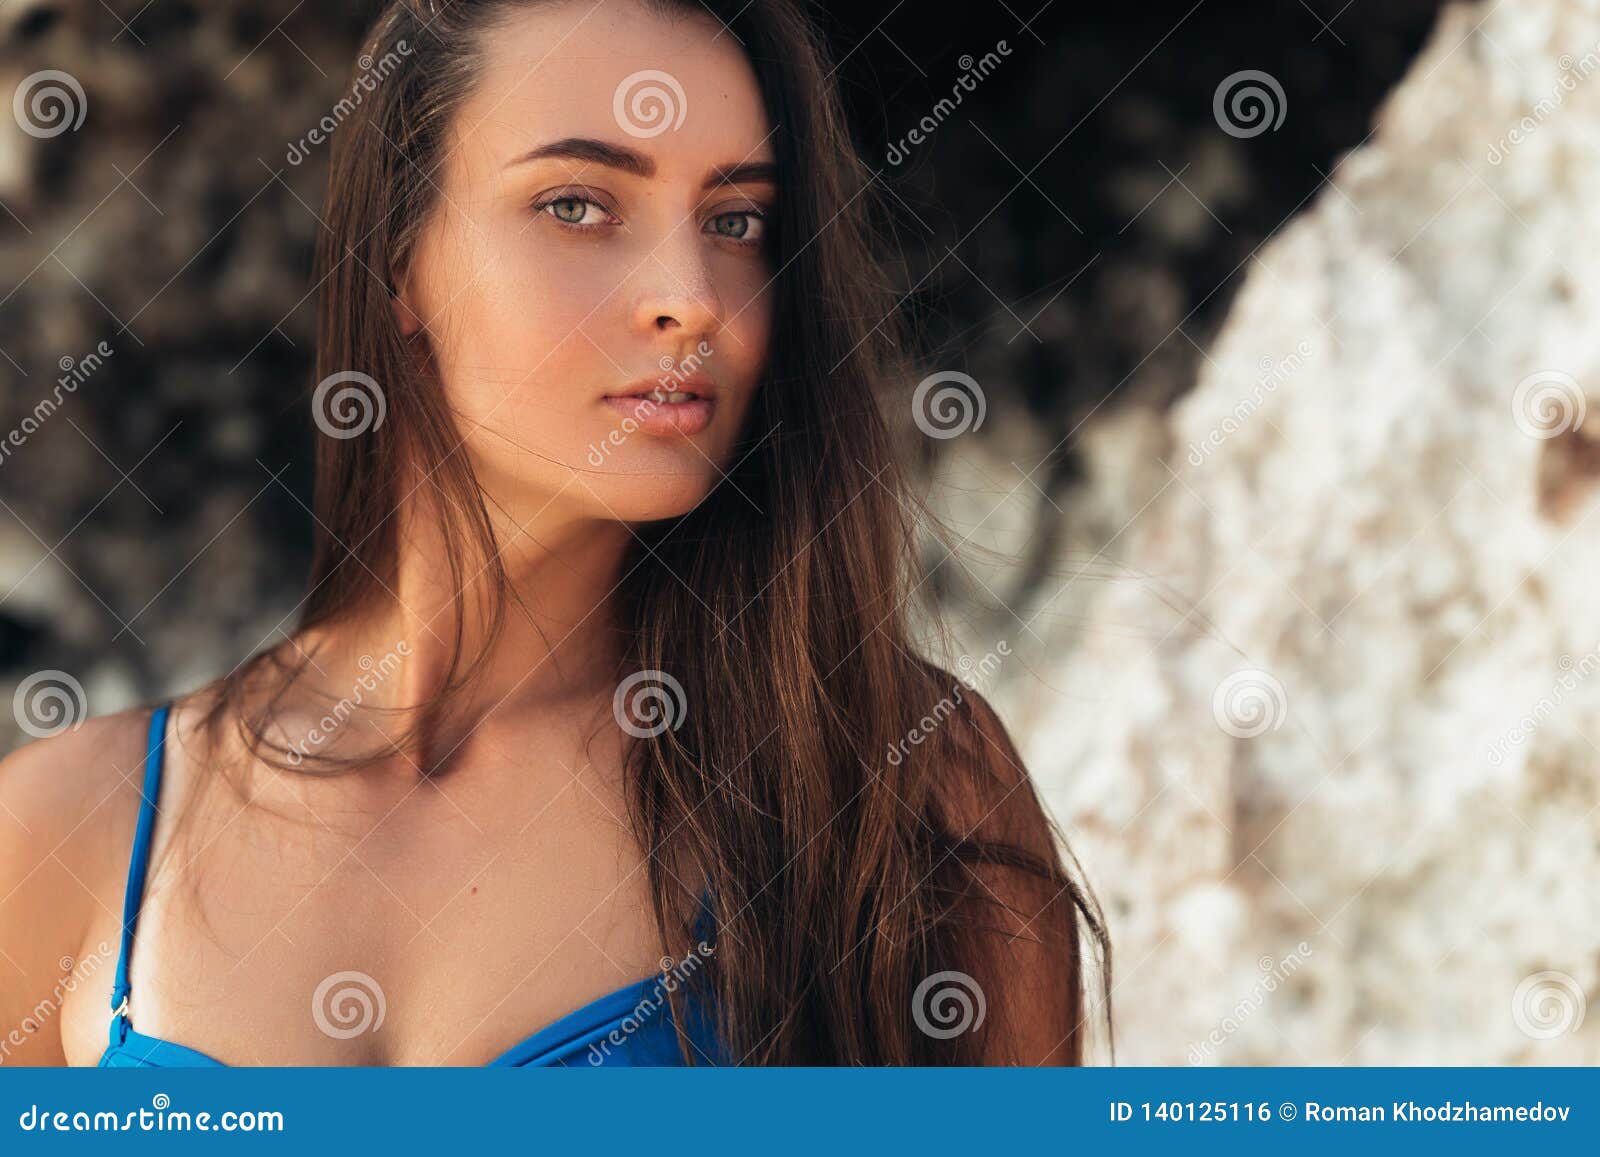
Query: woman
<point x="603" y="713"/>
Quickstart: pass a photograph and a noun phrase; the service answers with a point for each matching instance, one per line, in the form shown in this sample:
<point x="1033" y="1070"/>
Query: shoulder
<point x="1022" y="920"/>
<point x="68" y="807"/>
<point x="983" y="787"/>
<point x="65" y="795"/>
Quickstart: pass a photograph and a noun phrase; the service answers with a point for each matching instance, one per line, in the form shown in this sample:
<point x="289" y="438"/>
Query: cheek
<point x="748" y="322"/>
<point x="518" y="334"/>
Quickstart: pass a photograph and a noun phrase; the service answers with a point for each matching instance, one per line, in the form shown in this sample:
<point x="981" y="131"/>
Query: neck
<point x="557" y="646"/>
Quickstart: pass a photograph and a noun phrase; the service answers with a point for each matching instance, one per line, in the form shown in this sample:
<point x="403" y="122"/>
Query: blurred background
<point x="1281" y="318"/>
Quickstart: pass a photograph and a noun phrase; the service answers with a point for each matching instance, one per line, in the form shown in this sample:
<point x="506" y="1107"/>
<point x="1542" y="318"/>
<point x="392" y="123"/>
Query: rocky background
<point x="1279" y="503"/>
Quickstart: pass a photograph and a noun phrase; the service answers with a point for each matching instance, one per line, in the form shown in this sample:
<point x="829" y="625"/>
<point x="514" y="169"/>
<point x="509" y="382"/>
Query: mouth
<point x="662" y="397"/>
<point x="666" y="407"/>
<point x="697" y="388"/>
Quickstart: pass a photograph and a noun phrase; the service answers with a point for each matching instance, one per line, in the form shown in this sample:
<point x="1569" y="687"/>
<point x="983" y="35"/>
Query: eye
<point x="744" y="227"/>
<point x="575" y="212"/>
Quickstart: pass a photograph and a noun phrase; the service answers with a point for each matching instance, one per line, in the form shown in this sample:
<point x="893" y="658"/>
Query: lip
<point x="698" y="383"/>
<point x="633" y="402"/>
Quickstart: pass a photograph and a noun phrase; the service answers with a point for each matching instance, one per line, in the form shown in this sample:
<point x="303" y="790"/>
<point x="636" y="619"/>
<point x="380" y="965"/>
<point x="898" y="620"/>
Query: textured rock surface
<point x="1368" y="846"/>
<point x="169" y="230"/>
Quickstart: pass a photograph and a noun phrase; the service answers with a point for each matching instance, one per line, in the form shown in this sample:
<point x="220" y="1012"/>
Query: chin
<point x="650" y="497"/>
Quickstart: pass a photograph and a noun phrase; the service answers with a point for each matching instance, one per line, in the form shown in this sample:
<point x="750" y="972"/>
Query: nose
<point x="679" y="297"/>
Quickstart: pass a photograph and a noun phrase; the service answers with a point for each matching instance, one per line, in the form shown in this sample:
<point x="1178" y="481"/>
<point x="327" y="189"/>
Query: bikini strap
<point x="139" y="863"/>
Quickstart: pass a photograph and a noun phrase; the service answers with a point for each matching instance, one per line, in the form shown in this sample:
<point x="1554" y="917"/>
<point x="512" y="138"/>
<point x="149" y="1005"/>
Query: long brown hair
<point x="849" y="867"/>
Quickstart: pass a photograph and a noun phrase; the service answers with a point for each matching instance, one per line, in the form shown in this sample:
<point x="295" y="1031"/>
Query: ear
<point x="404" y="316"/>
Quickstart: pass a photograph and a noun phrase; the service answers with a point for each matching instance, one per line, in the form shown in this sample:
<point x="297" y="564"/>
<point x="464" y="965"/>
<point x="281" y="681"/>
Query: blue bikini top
<point x="632" y="1026"/>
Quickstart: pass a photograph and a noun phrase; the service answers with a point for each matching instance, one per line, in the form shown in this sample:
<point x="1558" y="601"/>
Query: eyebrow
<point x="598" y="152"/>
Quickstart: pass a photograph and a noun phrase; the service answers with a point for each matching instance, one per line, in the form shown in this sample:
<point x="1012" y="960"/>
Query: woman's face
<point x="592" y="240"/>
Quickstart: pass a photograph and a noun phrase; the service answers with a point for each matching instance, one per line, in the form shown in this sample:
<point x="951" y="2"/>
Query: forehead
<point x="675" y="86"/>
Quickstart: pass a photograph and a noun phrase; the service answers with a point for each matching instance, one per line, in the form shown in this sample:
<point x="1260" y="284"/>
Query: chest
<point x="438" y="923"/>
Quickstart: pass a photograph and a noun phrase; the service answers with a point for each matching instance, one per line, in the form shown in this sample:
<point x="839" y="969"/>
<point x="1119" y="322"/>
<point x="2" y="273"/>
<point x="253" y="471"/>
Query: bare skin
<point x="490" y="902"/>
